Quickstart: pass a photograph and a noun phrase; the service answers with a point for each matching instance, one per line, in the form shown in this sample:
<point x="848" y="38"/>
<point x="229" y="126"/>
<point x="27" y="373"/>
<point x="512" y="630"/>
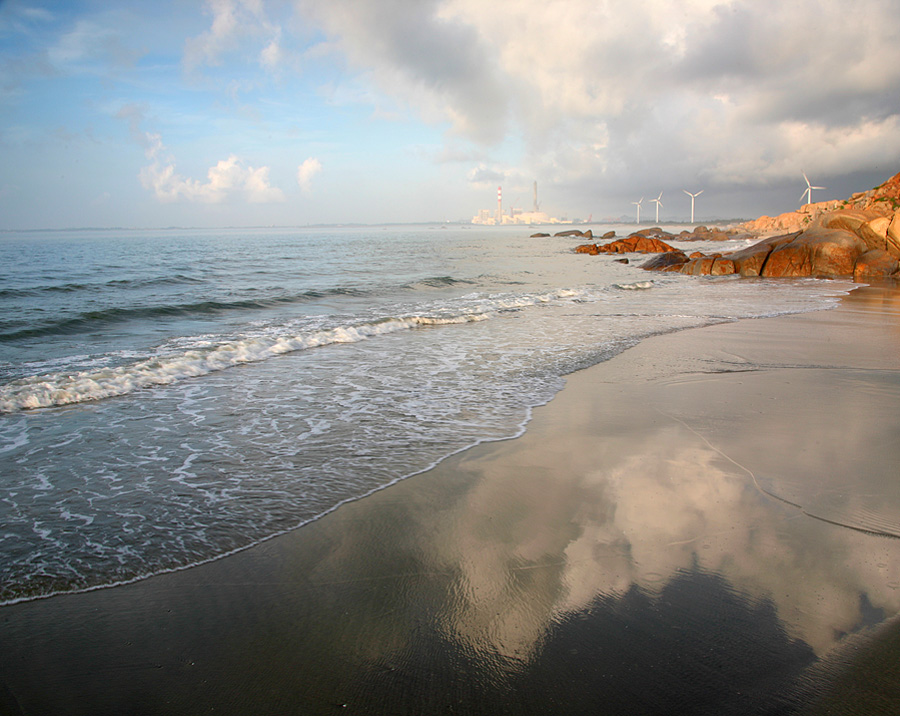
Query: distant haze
<point x="256" y="112"/>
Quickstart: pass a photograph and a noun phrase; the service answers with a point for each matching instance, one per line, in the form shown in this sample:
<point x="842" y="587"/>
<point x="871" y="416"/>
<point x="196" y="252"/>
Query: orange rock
<point x="817" y="252"/>
<point x="591" y="249"/>
<point x="875" y="263"/>
<point x="636" y="243"/>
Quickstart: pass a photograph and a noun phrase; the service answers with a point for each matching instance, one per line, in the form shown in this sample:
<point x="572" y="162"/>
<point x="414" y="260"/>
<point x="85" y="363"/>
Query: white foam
<point x="207" y="356"/>
<point x="63" y="389"/>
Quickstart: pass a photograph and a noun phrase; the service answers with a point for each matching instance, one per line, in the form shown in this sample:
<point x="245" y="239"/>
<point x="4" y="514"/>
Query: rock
<point x="818" y="252"/>
<point x="622" y="261"/>
<point x="892" y="238"/>
<point x="669" y="261"/>
<point x="723" y="266"/>
<point x="591" y="249"/>
<point x="703" y="233"/>
<point x="709" y="266"/>
<point x="654" y="233"/>
<point x="608" y="235"/>
<point x="572" y="232"/>
<point x="539" y="236"/>
<point x="876" y="231"/>
<point x="750" y="261"/>
<point x="875" y="263"/>
<point x="636" y="243"/>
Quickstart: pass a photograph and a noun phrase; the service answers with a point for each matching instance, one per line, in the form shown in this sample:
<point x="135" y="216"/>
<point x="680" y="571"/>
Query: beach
<point x="705" y="523"/>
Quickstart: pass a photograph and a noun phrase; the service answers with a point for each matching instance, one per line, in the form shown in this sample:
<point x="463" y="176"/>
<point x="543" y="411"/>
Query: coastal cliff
<point x="857" y="238"/>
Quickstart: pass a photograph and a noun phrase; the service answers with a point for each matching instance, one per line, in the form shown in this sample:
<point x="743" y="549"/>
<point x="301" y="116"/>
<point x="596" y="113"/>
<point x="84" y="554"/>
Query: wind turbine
<point x="809" y="188"/>
<point x="658" y="204"/>
<point x="693" y="196"/>
<point x="638" y="205"/>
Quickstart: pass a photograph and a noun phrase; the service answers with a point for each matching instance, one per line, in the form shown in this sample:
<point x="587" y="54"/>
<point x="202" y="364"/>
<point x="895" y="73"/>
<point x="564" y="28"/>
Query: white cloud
<point x="228" y="179"/>
<point x="236" y="25"/>
<point x="305" y="173"/>
<point x="618" y="93"/>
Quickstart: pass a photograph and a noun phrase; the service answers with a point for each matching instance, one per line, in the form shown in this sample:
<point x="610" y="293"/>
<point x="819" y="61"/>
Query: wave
<point x="439" y="282"/>
<point x="91" y="320"/>
<point x="205" y="356"/>
<point x="63" y="389"/>
<point x="37" y="291"/>
<point x="636" y="286"/>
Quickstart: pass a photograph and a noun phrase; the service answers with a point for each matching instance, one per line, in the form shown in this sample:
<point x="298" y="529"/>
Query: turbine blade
<point x="699" y="193"/>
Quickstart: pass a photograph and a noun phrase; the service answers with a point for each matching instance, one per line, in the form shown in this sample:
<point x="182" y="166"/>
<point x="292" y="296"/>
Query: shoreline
<point x="624" y="514"/>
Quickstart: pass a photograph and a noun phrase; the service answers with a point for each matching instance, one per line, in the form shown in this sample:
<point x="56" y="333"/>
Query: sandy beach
<point x="706" y="524"/>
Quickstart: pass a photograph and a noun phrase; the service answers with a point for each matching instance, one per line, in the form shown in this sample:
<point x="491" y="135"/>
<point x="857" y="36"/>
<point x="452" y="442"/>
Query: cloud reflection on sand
<point x="555" y="524"/>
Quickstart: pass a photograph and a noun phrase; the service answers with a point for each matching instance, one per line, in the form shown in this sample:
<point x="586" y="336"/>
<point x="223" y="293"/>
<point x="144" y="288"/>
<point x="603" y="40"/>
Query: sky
<point x="278" y="112"/>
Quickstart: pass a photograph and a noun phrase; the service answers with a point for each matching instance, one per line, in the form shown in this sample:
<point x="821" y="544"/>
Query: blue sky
<point x="256" y="112"/>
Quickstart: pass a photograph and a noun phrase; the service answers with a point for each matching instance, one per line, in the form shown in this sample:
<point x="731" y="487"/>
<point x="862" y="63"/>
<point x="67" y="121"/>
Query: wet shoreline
<point x="624" y="553"/>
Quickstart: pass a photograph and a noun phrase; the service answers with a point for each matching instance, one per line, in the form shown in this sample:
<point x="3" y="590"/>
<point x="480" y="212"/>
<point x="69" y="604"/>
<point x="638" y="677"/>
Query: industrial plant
<point x="487" y="217"/>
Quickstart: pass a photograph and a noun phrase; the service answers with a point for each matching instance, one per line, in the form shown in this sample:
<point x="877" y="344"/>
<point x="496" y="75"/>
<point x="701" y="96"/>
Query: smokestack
<point x="499" y="204"/>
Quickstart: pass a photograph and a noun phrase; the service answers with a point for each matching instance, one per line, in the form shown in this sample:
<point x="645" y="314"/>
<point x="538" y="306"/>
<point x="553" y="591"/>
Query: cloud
<point x="236" y="26"/>
<point x="228" y="179"/>
<point x="90" y="42"/>
<point x="622" y="94"/>
<point x="436" y="64"/>
<point x="305" y="173"/>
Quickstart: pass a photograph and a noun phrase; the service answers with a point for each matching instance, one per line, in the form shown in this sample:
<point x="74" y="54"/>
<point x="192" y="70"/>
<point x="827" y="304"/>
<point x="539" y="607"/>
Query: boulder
<point x="892" y="238"/>
<point x="668" y="261"/>
<point x="608" y="235"/>
<point x="875" y="263"/>
<point x="704" y="233"/>
<point x="867" y="224"/>
<point x="709" y="266"/>
<point x="750" y="261"/>
<point x="818" y="252"/>
<point x="636" y="243"/>
<point x="539" y="236"/>
<point x="571" y="232"/>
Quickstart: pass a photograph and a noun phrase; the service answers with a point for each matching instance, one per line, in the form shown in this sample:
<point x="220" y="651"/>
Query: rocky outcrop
<point x="858" y="238"/>
<point x="636" y="243"/>
<point x="883" y="200"/>
<point x="842" y="244"/>
<point x="704" y="233"/>
<point x="576" y="232"/>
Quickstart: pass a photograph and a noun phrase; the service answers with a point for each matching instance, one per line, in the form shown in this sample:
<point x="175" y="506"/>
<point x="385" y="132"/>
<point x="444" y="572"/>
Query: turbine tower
<point x="809" y="190"/>
<point x="693" y="196"/>
<point x="638" y="205"/>
<point x="658" y="204"/>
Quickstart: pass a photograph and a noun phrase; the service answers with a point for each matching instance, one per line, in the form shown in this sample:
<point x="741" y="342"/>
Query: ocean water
<point x="169" y="397"/>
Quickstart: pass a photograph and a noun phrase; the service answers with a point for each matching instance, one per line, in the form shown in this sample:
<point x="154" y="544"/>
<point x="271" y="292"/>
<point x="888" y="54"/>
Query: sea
<point x="169" y="397"/>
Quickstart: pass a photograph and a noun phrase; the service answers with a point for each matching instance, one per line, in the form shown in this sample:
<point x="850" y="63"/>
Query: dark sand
<point x="706" y="524"/>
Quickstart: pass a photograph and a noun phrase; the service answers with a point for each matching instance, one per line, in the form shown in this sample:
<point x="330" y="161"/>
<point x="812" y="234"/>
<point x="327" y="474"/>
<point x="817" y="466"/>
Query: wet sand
<point x="706" y="524"/>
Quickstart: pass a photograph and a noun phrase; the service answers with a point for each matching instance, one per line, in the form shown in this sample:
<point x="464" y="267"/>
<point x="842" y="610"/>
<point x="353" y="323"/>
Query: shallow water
<point x="170" y="397"/>
<point x="624" y="556"/>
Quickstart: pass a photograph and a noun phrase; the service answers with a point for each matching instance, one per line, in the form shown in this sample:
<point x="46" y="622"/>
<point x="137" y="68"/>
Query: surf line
<point x="774" y="496"/>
